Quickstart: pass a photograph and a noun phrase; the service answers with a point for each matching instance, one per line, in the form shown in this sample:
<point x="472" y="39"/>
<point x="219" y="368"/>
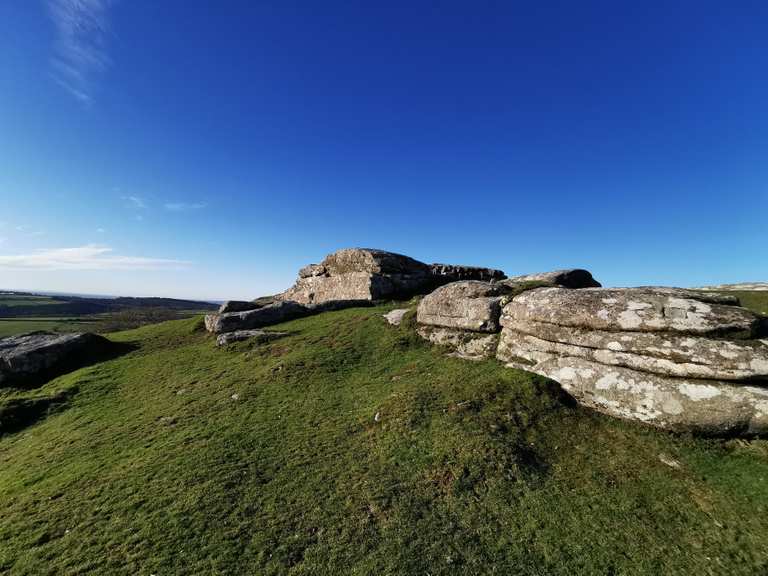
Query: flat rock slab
<point x="701" y="406"/>
<point x="259" y="336"/>
<point x="634" y="310"/>
<point x="468" y="305"/>
<point x="572" y="278"/>
<point x="32" y="358"/>
<point x="258" y="318"/>
<point x="661" y="353"/>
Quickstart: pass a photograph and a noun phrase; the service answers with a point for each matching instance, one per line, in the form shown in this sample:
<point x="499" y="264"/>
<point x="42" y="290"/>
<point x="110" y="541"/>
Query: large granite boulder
<point x="31" y="359"/>
<point x="572" y="278"/>
<point x="467" y="305"/>
<point x="674" y="358"/>
<point x="463" y="316"/>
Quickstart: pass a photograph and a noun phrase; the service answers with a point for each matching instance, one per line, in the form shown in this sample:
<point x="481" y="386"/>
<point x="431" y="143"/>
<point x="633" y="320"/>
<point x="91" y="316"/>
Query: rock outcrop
<point x="366" y="274"/>
<point x="464" y="316"/>
<point x="349" y="277"/>
<point x="678" y="359"/>
<point x="573" y="278"/>
<point x="32" y="358"/>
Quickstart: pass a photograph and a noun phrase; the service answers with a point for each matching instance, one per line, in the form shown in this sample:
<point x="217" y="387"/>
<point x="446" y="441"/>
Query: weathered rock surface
<point x="367" y="274"/>
<point x="634" y="310"/>
<point x="258" y="318"/>
<point x="238" y="306"/>
<point x="661" y="353"/>
<point x="703" y="406"/>
<point x="395" y="317"/>
<point x="463" y="343"/>
<point x="32" y="358"/>
<point x="573" y="278"/>
<point x="467" y="305"/>
<point x="259" y="336"/>
<point x="674" y="358"/>
<point x="453" y="273"/>
<point x="359" y="274"/>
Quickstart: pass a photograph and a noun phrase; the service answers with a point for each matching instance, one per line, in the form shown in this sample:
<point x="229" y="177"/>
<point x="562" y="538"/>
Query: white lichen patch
<point x="609" y="301"/>
<point x="759" y="365"/>
<point x="615" y="346"/>
<point x="697" y="392"/>
<point x="629" y="319"/>
<point x="603" y="314"/>
<point x="672" y="406"/>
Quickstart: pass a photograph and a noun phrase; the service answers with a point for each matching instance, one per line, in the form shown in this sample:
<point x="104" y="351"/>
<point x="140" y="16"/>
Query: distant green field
<point x="12" y="326"/>
<point x="26" y="300"/>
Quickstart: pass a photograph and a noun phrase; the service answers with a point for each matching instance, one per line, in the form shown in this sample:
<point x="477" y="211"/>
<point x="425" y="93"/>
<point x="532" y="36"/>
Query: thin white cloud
<point x="88" y="257"/>
<point x="28" y="231"/>
<point x="100" y="230"/>
<point x="135" y="202"/>
<point x="184" y="206"/>
<point x="80" y="51"/>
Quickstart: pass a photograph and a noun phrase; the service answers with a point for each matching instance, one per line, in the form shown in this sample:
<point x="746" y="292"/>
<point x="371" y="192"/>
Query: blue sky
<point x="208" y="150"/>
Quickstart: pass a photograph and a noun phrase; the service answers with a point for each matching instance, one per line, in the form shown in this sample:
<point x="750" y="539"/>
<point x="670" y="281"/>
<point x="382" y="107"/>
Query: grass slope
<point x="181" y="458"/>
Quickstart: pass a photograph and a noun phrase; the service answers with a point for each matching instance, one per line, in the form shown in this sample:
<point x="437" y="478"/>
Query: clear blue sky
<point x="209" y="149"/>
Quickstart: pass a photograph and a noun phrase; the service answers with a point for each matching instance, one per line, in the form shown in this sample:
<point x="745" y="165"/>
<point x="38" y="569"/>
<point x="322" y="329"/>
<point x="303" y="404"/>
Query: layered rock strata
<point x="677" y="359"/>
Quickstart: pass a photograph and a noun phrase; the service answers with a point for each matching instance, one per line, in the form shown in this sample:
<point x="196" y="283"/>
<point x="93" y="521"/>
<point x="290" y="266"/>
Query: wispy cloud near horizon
<point x="88" y="257"/>
<point x="80" y="51"/>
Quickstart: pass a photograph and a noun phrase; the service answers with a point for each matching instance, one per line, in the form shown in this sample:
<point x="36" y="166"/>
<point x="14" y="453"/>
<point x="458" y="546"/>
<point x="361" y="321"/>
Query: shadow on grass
<point x="19" y="412"/>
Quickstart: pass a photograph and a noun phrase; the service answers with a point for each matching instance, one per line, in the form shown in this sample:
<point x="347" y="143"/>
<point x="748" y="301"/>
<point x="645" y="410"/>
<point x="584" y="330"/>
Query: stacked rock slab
<point x="463" y="316"/>
<point x="677" y="359"/>
<point x="367" y="274"/>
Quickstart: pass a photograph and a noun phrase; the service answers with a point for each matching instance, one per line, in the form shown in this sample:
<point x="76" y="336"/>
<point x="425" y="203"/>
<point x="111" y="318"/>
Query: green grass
<point x="13" y="326"/>
<point x="26" y="300"/>
<point x="756" y="300"/>
<point x="180" y="458"/>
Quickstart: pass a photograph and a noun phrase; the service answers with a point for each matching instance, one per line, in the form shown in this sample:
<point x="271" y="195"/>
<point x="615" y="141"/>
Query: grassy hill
<point x="352" y="447"/>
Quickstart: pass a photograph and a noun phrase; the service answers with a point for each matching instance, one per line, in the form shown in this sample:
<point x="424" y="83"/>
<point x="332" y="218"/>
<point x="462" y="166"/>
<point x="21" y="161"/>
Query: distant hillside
<point x="22" y="304"/>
